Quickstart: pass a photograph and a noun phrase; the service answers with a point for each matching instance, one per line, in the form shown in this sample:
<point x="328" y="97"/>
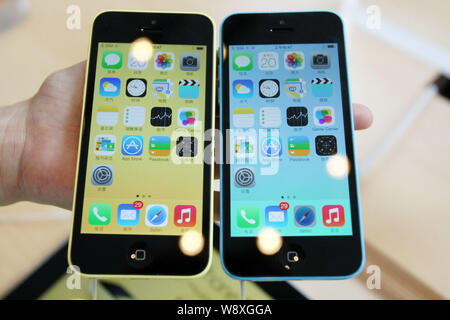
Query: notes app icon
<point x="107" y="116"/>
<point x="185" y="216"/>
<point x="333" y="216"/>
<point x="243" y="117"/>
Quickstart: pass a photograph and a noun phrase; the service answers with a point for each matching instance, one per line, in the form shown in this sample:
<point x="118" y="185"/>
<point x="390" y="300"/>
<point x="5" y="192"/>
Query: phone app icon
<point x="297" y="116"/>
<point x="134" y="116"/>
<point x="188" y="89"/>
<point x="136" y="64"/>
<point x="268" y="61"/>
<point x="322" y="87"/>
<point x="187" y="117"/>
<point x="186" y="146"/>
<point x="190" y="61"/>
<point x="136" y="87"/>
<point x="156" y="215"/>
<point x="112" y="59"/>
<point x="242" y="61"/>
<point x="271" y="146"/>
<point x="243" y="117"/>
<point x="105" y="145"/>
<point x="244" y="147"/>
<point x="99" y="214"/>
<point x="275" y="217"/>
<point x="242" y="89"/>
<point x="320" y="60"/>
<point x="107" y="116"/>
<point x="269" y="88"/>
<point x="162" y="88"/>
<point x="333" y="216"/>
<point x="185" y="216"/>
<point x="244" y="177"/>
<point x="324" y="116"/>
<point x="270" y="117"/>
<point x="295" y="88"/>
<point x="294" y="60"/>
<point x="132" y="145"/>
<point x="159" y="146"/>
<point x="127" y="215"/>
<point x="161" y="117"/>
<point x="102" y="175"/>
<point x="298" y="146"/>
<point x="305" y="216"/>
<point x="164" y="61"/>
<point x="247" y="217"/>
<point x="326" y="145"/>
<point x="109" y="87"/>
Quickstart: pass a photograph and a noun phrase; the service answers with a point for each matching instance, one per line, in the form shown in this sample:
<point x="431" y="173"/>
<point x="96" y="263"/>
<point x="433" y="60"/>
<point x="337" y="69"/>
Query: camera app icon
<point x="320" y="60"/>
<point x="190" y="62"/>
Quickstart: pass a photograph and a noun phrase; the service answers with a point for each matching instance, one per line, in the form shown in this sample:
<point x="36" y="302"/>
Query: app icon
<point x="242" y="61"/>
<point x="298" y="146"/>
<point x="270" y="117"/>
<point x="109" y="87"/>
<point x="269" y="88"/>
<point x="99" y="214"/>
<point x="156" y="215"/>
<point x="275" y="217"/>
<point x="326" y="145"/>
<point x="127" y="215"/>
<point x="159" y="146"/>
<point x="247" y="217"/>
<point x="271" y="146"/>
<point x="244" y="177"/>
<point x="112" y="59"/>
<point x="244" y="147"/>
<point x="243" y="117"/>
<point x="134" y="116"/>
<point x="187" y="117"/>
<point x="322" y="87"/>
<point x="162" y="88"/>
<point x="242" y="89"/>
<point x="107" y="116"/>
<point x="132" y="145"/>
<point x="190" y="61"/>
<point x="105" y="145"/>
<point x="188" y="89"/>
<point x="164" y="61"/>
<point x="136" y="87"/>
<point x="324" y="116"/>
<point x="185" y="216"/>
<point x="295" y="88"/>
<point x="304" y="216"/>
<point x="294" y="60"/>
<point x="186" y="146"/>
<point x="333" y="216"/>
<point x="297" y="116"/>
<point x="268" y="61"/>
<point x="136" y="64"/>
<point x="161" y="117"/>
<point x="320" y="60"/>
<point x="102" y="175"/>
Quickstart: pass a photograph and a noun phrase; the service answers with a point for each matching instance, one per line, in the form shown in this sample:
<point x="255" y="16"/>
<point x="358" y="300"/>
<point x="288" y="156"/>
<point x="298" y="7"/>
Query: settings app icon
<point x="244" y="177"/>
<point x="102" y="175"/>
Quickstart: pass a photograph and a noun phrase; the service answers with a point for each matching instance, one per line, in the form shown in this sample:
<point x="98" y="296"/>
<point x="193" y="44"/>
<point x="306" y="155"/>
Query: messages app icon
<point x="242" y="61"/>
<point x="112" y="59"/>
<point x="242" y="89"/>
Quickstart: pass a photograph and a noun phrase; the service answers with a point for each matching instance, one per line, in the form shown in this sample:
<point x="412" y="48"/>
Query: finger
<point x="362" y="116"/>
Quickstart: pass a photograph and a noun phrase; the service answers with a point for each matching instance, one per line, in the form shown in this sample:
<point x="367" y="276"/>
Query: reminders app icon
<point x="242" y="89"/>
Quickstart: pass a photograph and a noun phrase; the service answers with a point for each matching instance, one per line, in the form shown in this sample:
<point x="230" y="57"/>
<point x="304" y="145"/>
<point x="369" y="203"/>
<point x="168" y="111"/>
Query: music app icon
<point x="185" y="216"/>
<point x="333" y="216"/>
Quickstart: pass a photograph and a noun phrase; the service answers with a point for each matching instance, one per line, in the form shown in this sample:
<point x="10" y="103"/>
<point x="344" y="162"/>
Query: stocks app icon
<point x="297" y="116"/>
<point x="161" y="117"/>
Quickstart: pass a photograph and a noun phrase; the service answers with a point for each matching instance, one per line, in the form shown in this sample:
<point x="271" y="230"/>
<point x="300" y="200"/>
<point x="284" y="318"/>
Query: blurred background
<point x="397" y="49"/>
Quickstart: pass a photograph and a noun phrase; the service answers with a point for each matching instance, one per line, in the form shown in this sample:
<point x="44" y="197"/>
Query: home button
<point x="138" y="256"/>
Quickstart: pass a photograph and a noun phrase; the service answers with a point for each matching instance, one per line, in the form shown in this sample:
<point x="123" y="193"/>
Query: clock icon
<point x="136" y="87"/>
<point x="269" y="88"/>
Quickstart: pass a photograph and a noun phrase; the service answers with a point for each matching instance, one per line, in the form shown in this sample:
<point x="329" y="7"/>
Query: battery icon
<point x="331" y="46"/>
<point x="199" y="48"/>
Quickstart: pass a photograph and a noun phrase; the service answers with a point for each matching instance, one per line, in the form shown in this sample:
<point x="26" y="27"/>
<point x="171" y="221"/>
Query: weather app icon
<point x="132" y="145"/>
<point x="242" y="89"/>
<point x="109" y="87"/>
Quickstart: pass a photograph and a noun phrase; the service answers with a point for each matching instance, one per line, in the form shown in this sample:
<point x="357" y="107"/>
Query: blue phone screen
<point x="288" y="162"/>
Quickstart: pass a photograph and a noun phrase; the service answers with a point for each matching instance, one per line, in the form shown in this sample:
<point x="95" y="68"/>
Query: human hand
<point x="39" y="140"/>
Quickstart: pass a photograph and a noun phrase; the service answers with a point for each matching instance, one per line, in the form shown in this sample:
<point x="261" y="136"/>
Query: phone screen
<point x="288" y="160"/>
<point x="144" y="172"/>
